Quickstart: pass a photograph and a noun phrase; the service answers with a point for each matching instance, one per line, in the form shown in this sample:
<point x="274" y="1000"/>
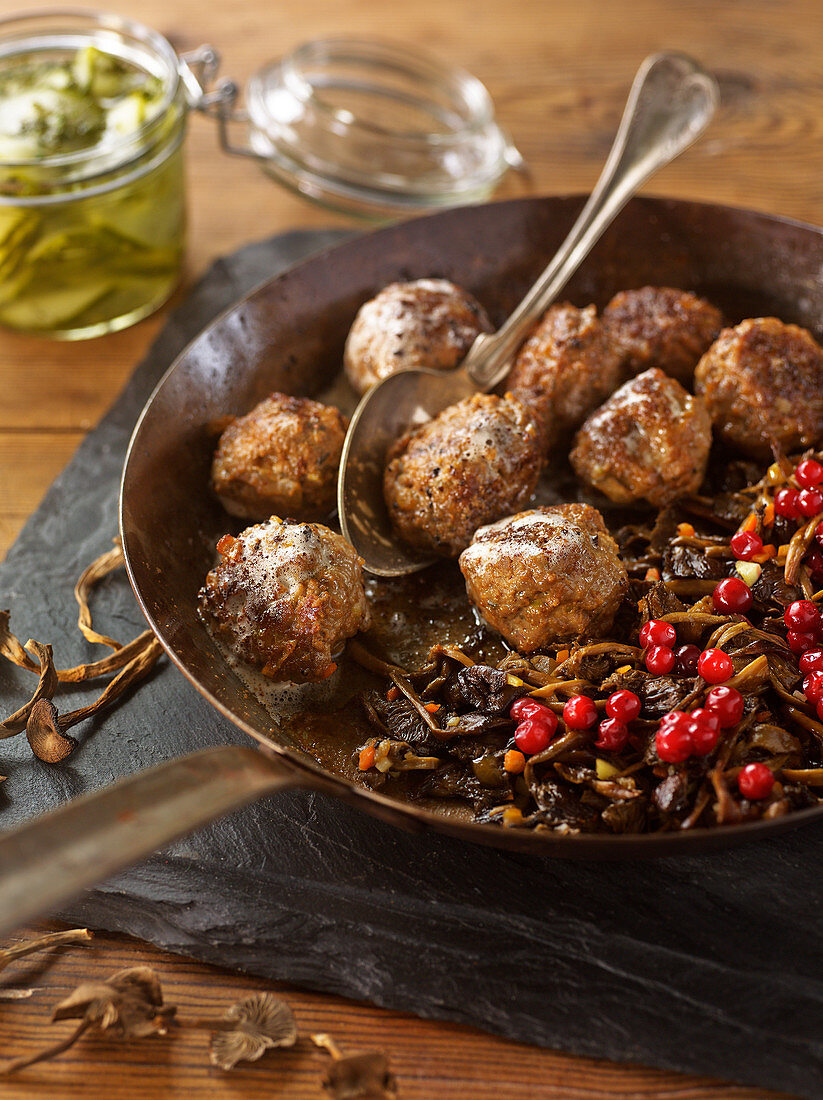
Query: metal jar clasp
<point x="198" y="70"/>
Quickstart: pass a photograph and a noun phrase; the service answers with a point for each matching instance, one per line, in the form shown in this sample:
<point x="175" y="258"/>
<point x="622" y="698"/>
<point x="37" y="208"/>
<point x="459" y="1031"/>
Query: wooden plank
<point x="442" y="1060"/>
<point x="29" y="462"/>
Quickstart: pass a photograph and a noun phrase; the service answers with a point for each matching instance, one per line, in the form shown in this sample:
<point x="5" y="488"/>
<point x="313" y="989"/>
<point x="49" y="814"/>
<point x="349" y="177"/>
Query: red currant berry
<point x="579" y="713"/>
<point x="659" y="659"/>
<point x="810" y="502"/>
<point x="707" y="717"/>
<point x="809" y="473"/>
<point x="726" y="704"/>
<point x="673" y="743"/>
<point x="732" y="596"/>
<point x="813" y="687"/>
<point x="623" y="705"/>
<point x="613" y="735"/>
<point x="677" y="718"/>
<point x="657" y="632"/>
<point x="745" y="544"/>
<point x="814" y="561"/>
<point x="785" y="503"/>
<point x="705" y="732"/>
<point x="531" y="708"/>
<point x="811" y="661"/>
<point x="802" y="617"/>
<point x="755" y="781"/>
<point x="685" y="660"/>
<point x="715" y="666"/>
<point x="801" y="643"/>
<point x="532" y="735"/>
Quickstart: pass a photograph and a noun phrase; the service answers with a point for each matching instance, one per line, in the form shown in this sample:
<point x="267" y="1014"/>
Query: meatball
<point x="281" y="458"/>
<point x="285" y="596"/>
<point x="547" y="575"/>
<point x="650" y="440"/>
<point x="763" y="384"/>
<point x="476" y="461"/>
<point x="658" y="326"/>
<point x="566" y="368"/>
<point x="427" y="323"/>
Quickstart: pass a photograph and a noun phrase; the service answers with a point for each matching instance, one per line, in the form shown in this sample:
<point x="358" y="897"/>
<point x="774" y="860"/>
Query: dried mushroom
<point x="250" y="1028"/>
<point x="128" y="1005"/>
<point x="45" y="727"/>
<point x="360" y="1076"/>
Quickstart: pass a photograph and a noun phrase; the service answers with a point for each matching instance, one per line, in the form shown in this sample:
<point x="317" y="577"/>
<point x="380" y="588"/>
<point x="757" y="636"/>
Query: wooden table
<point x="559" y="75"/>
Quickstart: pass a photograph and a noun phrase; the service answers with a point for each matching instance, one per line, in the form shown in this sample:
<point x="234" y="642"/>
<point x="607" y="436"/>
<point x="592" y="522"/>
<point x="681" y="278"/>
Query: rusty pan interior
<point x="288" y="335"/>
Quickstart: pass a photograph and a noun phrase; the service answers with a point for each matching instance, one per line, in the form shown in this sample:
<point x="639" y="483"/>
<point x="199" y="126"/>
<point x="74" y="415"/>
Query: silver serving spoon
<point x="670" y="104"/>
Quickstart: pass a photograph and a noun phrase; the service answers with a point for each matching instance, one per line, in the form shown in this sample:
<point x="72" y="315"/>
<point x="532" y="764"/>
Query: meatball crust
<point x="282" y="457"/>
<point x="476" y="461"/>
<point x="566" y="368"/>
<point x="546" y="575"/>
<point x="426" y="323"/>
<point x="649" y="441"/>
<point x="763" y="384"/>
<point x="659" y="326"/>
<point x="285" y="597"/>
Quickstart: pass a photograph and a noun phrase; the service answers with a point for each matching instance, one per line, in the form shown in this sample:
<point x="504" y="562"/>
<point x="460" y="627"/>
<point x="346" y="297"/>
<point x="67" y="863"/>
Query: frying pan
<point x="288" y="335"/>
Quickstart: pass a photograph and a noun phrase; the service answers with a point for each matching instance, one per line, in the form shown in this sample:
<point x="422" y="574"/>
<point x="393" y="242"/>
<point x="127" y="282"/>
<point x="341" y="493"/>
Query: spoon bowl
<point x="671" y="102"/>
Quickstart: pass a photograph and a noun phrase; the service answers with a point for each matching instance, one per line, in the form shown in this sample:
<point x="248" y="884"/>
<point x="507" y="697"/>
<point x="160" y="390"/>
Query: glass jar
<point x="372" y="128"/>
<point x="91" y="228"/>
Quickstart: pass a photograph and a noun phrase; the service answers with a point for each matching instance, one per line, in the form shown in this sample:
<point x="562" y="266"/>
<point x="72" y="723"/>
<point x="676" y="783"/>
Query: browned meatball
<point x="476" y="461"/>
<point x="285" y="596"/>
<point x="547" y="575"/>
<point x="649" y="441"/>
<point x="564" y="370"/>
<point x="763" y="384"/>
<point x="280" y="459"/>
<point x="427" y="323"/>
<point x="659" y="326"/>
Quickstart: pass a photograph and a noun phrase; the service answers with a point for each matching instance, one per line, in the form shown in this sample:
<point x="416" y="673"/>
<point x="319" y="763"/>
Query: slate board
<point x="710" y="965"/>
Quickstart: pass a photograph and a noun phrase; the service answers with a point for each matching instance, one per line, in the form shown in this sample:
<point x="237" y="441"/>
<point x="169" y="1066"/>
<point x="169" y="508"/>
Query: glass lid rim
<point x="106" y="21"/>
<point x="478" y="102"/>
<point x="369" y="193"/>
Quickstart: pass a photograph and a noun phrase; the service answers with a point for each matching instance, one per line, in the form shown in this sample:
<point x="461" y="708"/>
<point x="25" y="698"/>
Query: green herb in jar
<point x="91" y="190"/>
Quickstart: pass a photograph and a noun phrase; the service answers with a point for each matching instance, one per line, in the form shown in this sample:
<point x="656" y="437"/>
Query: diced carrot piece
<point x="562" y="655"/>
<point x="685" y="529"/>
<point x="750" y="522"/>
<point x="366" y="758"/>
<point x="768" y="515"/>
<point x="514" y="762"/>
<point x="393" y="694"/>
<point x="768" y="552"/>
<point x="432" y="708"/>
<point x="653" y="574"/>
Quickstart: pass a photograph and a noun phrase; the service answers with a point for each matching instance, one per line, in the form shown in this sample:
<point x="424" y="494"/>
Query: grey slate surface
<point x="710" y="965"/>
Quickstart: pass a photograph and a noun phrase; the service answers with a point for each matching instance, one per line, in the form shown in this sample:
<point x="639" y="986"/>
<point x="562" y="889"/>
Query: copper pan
<point x="288" y="334"/>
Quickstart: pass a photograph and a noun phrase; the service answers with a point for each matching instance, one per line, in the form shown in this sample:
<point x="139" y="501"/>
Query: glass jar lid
<point x="375" y="129"/>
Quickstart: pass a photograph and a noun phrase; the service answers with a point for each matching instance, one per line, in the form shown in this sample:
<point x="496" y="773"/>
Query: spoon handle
<point x="670" y="104"/>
